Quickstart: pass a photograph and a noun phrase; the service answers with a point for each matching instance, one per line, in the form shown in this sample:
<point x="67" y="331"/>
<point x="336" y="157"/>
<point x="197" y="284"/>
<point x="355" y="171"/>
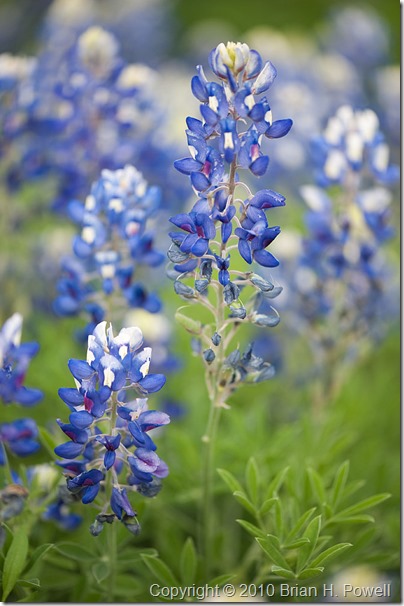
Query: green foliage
<point x="291" y="535"/>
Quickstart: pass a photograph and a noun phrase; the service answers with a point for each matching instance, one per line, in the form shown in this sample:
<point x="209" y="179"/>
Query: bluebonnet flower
<point x="113" y="241"/>
<point x="338" y="282"/>
<point x="106" y="428"/>
<point x="14" y="361"/>
<point x="351" y="143"/>
<point x="236" y="119"/>
<point x="79" y="109"/>
<point x="20" y="436"/>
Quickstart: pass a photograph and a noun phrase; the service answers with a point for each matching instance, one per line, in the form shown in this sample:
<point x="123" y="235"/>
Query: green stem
<point x="112" y="538"/>
<point x="217" y="396"/>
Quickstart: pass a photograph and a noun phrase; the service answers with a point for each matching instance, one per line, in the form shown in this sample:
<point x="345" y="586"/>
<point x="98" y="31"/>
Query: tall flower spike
<point x="113" y="241"/>
<point x="236" y="119"/>
<point x="109" y="425"/>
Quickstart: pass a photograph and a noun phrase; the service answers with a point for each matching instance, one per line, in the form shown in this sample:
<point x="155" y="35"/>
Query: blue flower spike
<point x="116" y="367"/>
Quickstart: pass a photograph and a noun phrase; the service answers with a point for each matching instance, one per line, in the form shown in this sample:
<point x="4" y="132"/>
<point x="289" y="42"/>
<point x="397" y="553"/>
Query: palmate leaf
<point x="267" y="505"/>
<point x="15" y="561"/>
<point x="283" y="572"/>
<point x="309" y="573"/>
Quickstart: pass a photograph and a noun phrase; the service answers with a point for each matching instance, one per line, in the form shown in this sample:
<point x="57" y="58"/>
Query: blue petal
<point x="28" y="396"/>
<point x="187" y="165"/>
<point x="90" y="494"/>
<point x="69" y="450"/>
<point x="24" y="447"/>
<point x="226" y="231"/>
<point x="279" y="128"/>
<point x="200" y="247"/>
<point x="70" y="395"/>
<point x="152" y="383"/>
<point x="80" y="369"/>
<point x="152" y="418"/>
<point x="109" y="459"/>
<point x="265" y="258"/>
<point x="264" y="79"/>
<point x="81" y="419"/>
<point x="259" y="166"/>
<point x="198" y="89"/>
<point x="245" y="250"/>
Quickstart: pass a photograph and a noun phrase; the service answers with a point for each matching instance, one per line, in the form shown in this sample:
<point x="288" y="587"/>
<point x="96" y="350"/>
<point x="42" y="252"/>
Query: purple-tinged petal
<point x="162" y="470"/>
<point x="145" y="460"/>
<point x="183" y="221"/>
<point x="187" y="165"/>
<point x="152" y="418"/>
<point x="267" y="198"/>
<point x="189" y="242"/>
<point x="226" y="231"/>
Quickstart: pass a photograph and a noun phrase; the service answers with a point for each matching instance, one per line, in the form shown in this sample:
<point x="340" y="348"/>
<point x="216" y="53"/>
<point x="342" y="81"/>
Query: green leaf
<point x="272" y="548"/>
<point x="252" y="479"/>
<point x="230" y="480"/>
<point x="283" y="572"/>
<point x="312" y="532"/>
<point x="37" y="555"/>
<point x="75" y="551"/>
<point x="100" y="571"/>
<point x="194" y="327"/>
<point x="15" y="561"/>
<point x="251" y="528"/>
<point x="362" y="505"/>
<point x="340" y="481"/>
<point x="267" y="505"/>
<point x="241" y="497"/>
<point x="277" y="482"/>
<point x="160" y="570"/>
<point x="300" y="524"/>
<point x="309" y="573"/>
<point x="188" y="562"/>
<point x="296" y="544"/>
<point x="279" y="519"/>
<point x="30" y="583"/>
<point x="330" y="553"/>
<point x="317" y="485"/>
<point x="360" y="519"/>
